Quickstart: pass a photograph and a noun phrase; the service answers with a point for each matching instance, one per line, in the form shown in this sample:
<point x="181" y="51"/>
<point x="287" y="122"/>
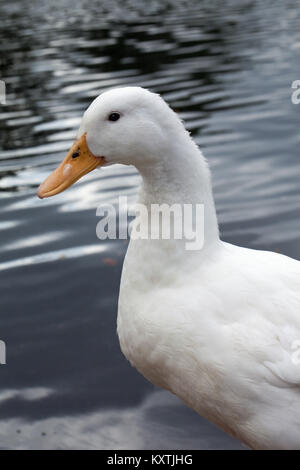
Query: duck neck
<point x="181" y="176"/>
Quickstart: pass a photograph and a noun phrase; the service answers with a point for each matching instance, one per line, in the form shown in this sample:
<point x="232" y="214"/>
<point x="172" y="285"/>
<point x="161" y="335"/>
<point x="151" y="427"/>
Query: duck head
<point x="131" y="126"/>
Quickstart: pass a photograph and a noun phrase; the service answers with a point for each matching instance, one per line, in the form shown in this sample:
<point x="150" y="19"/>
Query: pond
<point x="227" y="68"/>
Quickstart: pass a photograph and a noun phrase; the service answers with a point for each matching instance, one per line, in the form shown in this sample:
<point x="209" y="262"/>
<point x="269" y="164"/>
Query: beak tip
<point x="40" y="192"/>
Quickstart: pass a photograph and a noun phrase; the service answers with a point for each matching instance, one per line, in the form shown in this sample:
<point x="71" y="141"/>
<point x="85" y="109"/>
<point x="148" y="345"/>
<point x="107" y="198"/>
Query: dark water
<point x="227" y="68"/>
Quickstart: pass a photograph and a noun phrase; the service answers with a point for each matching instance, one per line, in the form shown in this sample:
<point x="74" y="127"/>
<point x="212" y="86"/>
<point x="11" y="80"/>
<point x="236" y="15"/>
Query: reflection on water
<point x="226" y="68"/>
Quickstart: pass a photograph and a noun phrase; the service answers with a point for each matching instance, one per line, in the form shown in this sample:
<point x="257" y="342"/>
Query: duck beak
<point x="78" y="162"/>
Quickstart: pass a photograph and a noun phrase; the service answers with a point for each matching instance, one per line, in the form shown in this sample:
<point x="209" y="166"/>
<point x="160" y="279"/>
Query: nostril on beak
<point x="75" y="154"/>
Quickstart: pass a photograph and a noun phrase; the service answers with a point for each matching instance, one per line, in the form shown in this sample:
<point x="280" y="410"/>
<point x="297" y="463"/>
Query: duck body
<point x="211" y="345"/>
<point x="215" y="326"/>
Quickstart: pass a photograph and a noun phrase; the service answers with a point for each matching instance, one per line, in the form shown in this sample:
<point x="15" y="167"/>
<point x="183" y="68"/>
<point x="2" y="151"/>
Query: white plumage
<point x="216" y="326"/>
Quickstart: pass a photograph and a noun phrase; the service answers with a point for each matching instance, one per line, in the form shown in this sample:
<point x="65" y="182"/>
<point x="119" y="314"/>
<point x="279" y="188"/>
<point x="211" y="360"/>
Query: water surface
<point x="226" y="68"/>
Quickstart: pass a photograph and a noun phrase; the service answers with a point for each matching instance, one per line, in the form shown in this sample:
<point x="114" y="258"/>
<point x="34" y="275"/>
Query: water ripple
<point x="226" y="67"/>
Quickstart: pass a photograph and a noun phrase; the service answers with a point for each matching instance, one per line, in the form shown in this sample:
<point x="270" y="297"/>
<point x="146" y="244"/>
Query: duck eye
<point x="114" y="116"/>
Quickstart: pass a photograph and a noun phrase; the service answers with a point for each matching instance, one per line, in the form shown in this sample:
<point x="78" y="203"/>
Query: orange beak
<point x="77" y="163"/>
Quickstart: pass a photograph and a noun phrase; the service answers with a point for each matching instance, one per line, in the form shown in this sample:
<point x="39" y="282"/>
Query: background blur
<point x="227" y="68"/>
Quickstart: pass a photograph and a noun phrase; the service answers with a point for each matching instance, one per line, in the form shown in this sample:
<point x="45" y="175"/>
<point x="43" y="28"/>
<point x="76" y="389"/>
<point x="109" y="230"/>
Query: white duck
<point x="217" y="326"/>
